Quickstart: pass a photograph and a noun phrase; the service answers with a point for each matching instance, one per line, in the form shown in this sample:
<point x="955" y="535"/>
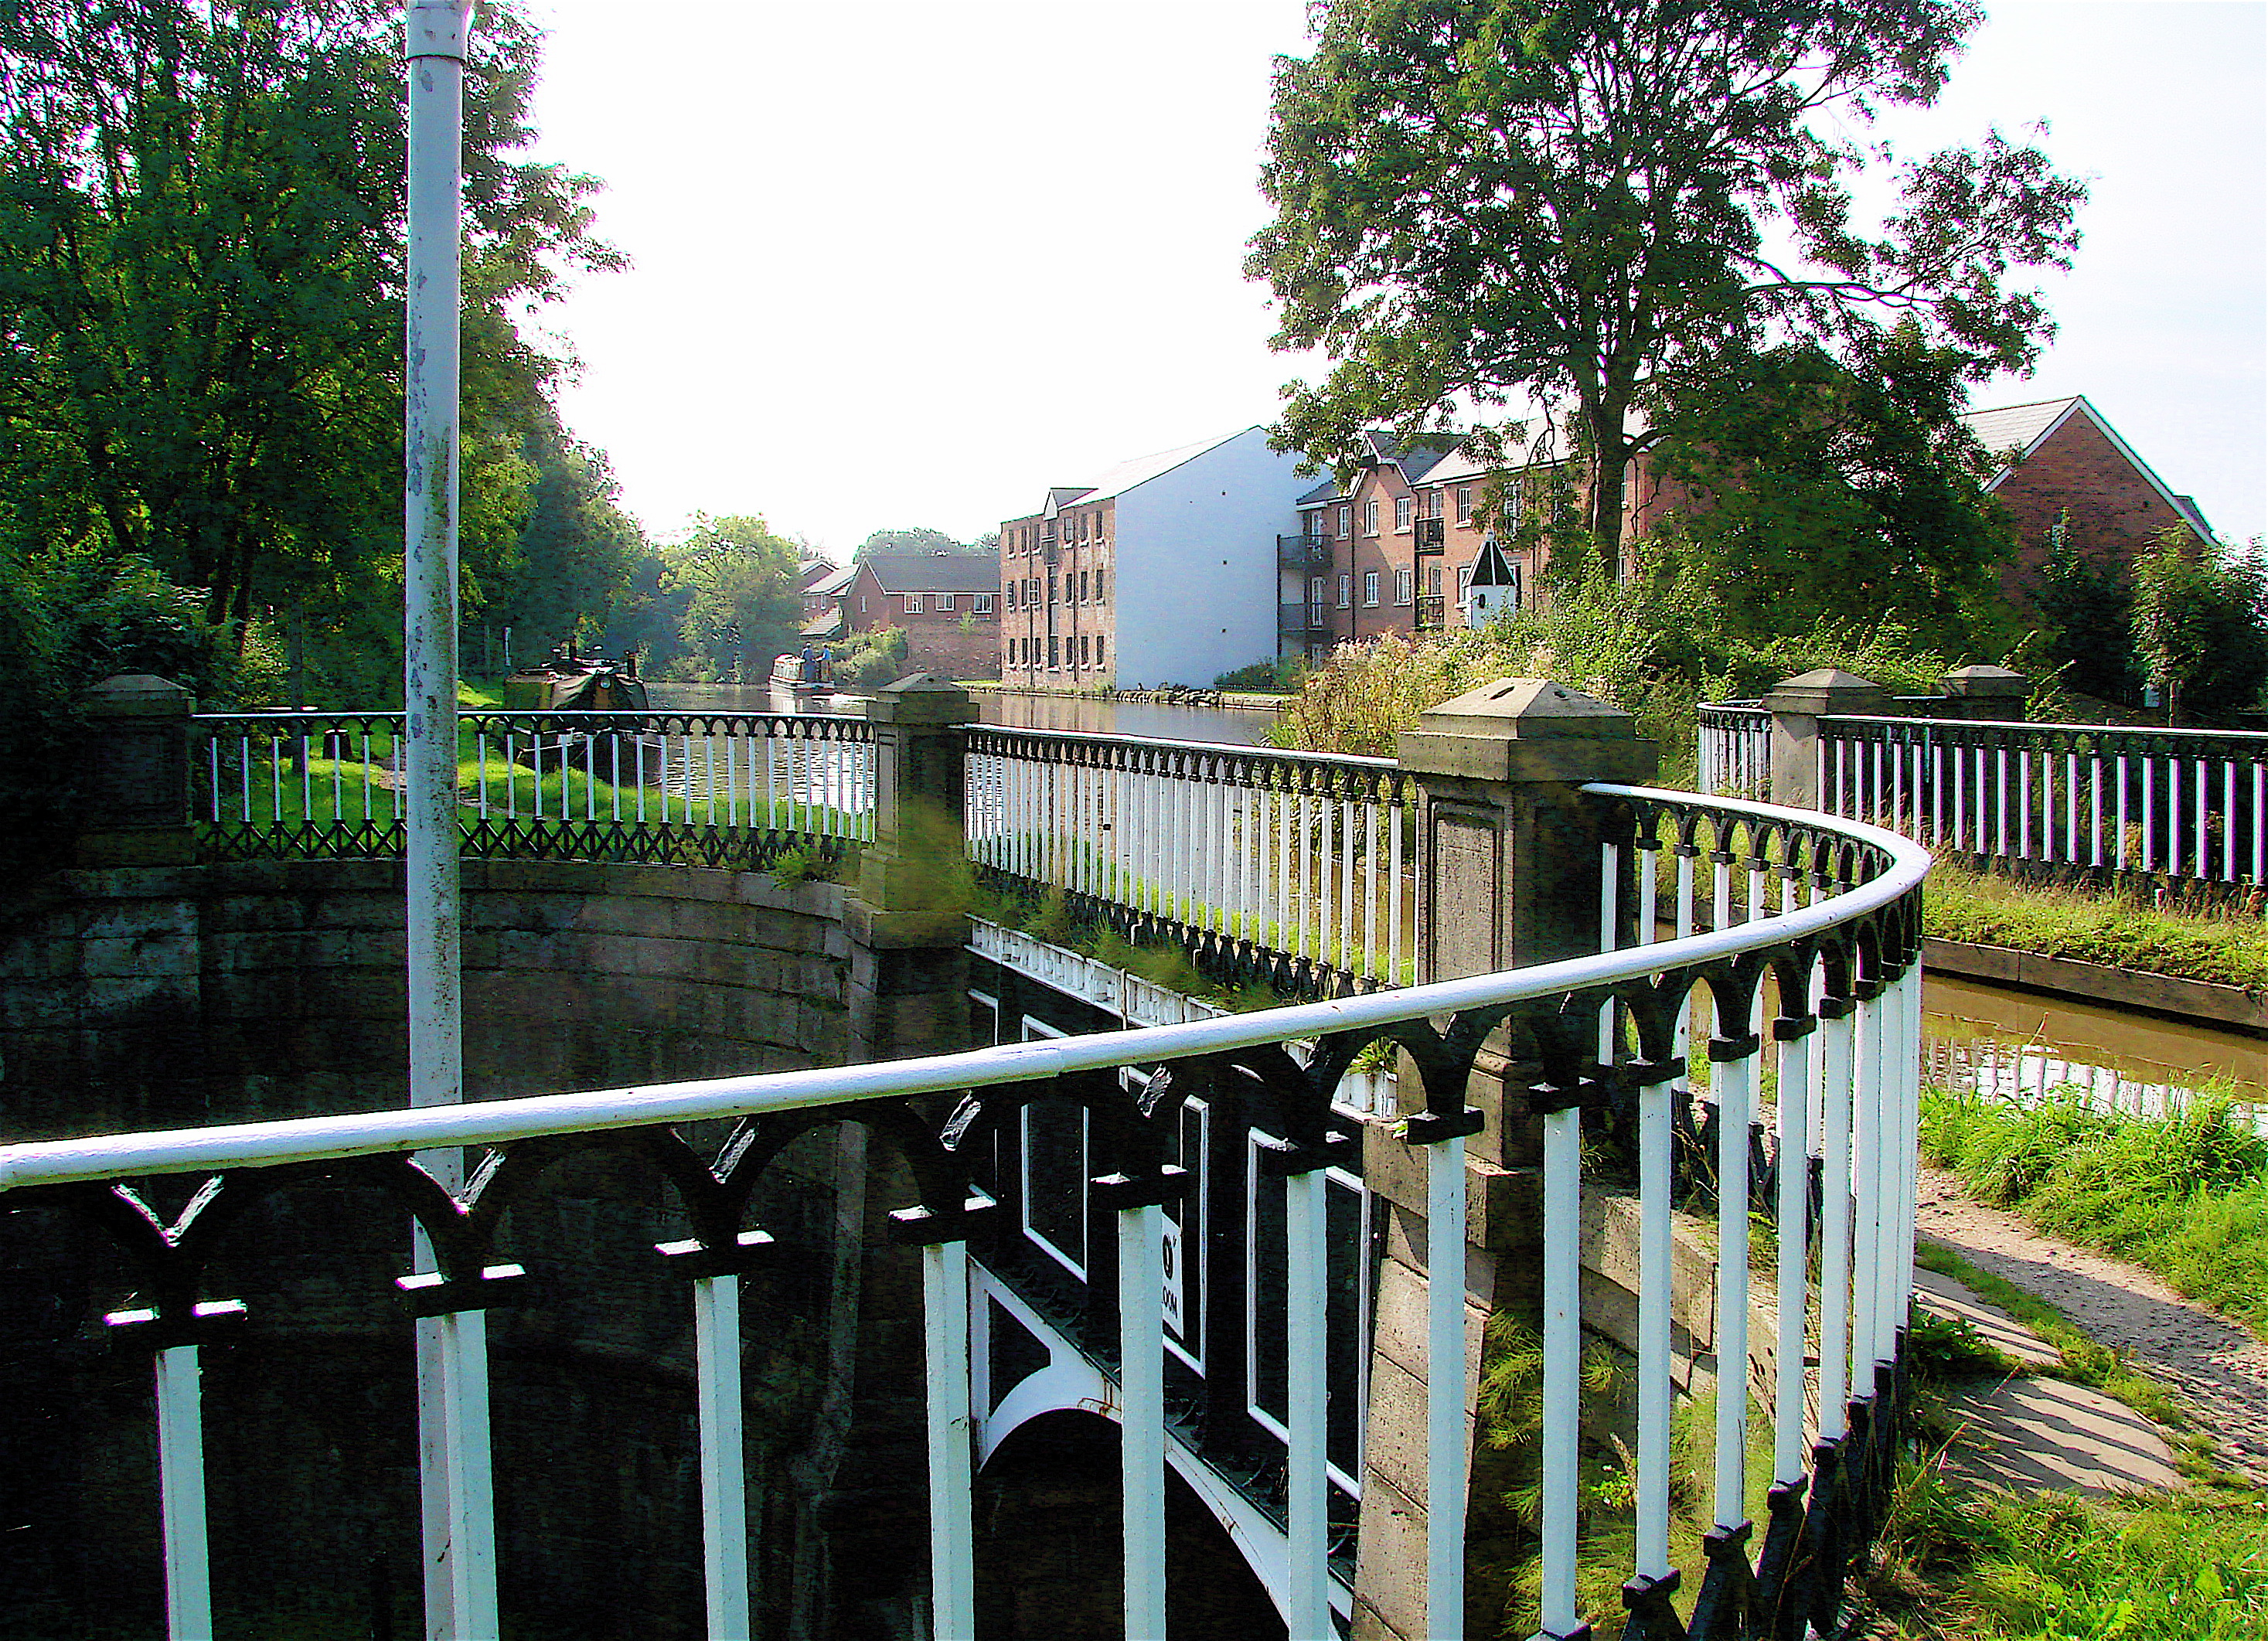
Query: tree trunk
<point x="1610" y="451"/>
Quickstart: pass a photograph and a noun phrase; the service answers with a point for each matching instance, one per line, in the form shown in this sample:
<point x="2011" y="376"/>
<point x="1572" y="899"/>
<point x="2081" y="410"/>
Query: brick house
<point x="822" y="603"/>
<point x="948" y="603"/>
<point x="1160" y="571"/>
<point x="1394" y="550"/>
<point x="2060" y="454"/>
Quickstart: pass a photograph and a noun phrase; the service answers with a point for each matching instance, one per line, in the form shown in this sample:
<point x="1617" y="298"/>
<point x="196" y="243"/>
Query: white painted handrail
<point x="492" y="1122"/>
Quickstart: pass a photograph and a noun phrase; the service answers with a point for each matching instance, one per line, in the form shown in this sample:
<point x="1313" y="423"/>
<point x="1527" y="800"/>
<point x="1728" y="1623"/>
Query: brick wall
<point x="2115" y="508"/>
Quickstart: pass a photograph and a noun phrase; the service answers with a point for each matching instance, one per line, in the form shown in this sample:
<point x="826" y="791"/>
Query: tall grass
<point x="2185" y="1195"/>
<point x="1994" y="1566"/>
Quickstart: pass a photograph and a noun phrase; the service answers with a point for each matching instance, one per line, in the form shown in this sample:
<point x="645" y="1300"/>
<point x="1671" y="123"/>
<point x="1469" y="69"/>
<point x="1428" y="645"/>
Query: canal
<point x="2013" y="1044"/>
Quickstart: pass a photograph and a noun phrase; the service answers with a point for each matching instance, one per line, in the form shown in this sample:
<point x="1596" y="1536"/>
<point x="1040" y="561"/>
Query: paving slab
<point x="2028" y="1434"/>
<point x="1948" y="1298"/>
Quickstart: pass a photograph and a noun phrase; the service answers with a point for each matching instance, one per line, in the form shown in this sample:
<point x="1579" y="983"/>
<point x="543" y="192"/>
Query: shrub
<point x="871" y="658"/>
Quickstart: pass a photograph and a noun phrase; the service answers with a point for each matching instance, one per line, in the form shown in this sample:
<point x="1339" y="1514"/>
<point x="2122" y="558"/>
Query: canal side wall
<point x="2199" y="1002"/>
<point x="137" y="998"/>
<point x="164" y="995"/>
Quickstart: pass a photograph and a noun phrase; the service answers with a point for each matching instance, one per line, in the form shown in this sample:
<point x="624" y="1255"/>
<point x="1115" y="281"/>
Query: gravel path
<point x="2217" y="1369"/>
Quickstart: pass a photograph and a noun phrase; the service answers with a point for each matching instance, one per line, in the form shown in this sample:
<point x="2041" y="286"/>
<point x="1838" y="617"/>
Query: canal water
<point x="2011" y="1044"/>
<point x="1228" y="726"/>
<point x="2024" y="1047"/>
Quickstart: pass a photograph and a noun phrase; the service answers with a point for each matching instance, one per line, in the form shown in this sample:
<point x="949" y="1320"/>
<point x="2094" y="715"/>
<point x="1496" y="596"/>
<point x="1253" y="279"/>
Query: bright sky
<point x="900" y="264"/>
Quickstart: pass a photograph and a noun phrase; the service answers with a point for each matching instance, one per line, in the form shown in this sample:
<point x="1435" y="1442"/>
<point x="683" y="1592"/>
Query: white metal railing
<point x="1840" y="939"/>
<point x="2187" y="806"/>
<point x="1736" y="749"/>
<point x="1365" y="1091"/>
<point x="332" y="783"/>
<point x="1294" y="853"/>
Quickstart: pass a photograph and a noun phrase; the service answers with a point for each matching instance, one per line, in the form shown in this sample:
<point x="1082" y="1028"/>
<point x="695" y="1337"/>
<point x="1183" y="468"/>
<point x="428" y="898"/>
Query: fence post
<point x="135" y="777"/>
<point x="1796" y="705"/>
<point x="1508" y="861"/>
<point x="907" y="915"/>
<point x="1984" y="694"/>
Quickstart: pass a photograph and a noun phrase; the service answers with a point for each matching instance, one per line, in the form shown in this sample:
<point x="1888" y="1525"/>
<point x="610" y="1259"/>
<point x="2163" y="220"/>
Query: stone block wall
<point x="163" y="997"/>
<point x="138" y="998"/>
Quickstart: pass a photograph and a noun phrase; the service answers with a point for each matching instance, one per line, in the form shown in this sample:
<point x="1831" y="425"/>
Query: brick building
<point x="1160" y="571"/>
<point x="2061" y="455"/>
<point x="1394" y="550"/>
<point x="948" y="603"/>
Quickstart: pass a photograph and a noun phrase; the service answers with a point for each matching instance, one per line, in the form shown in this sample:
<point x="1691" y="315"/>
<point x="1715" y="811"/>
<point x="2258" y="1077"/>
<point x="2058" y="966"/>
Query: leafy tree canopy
<point x="1581" y="202"/>
<point x="200" y="271"/>
<point x="1833" y="491"/>
<point x="918" y="540"/>
<point x="2087" y="598"/>
<point x="742" y="607"/>
<point x="2201" y="625"/>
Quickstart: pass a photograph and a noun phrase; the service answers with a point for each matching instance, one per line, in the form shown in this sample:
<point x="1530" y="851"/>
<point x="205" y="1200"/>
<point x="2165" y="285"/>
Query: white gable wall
<point x="1194" y="575"/>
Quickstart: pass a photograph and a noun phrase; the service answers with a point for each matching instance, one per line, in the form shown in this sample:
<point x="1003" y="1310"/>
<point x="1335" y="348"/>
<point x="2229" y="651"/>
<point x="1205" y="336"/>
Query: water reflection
<point x="2021" y="1047"/>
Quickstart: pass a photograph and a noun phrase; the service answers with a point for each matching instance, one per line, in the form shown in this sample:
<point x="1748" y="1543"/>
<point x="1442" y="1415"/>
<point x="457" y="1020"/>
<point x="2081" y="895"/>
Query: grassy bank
<point x="2227" y="945"/>
<point x="2184" y="1196"/>
<point x="1998" y="1567"/>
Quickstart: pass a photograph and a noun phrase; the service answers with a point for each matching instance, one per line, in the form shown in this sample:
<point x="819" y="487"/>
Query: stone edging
<point x="2204" y="1002"/>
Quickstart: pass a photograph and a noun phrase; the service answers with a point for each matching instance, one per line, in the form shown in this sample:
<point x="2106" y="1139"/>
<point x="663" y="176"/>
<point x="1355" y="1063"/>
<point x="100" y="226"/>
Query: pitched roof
<point x="2018" y="427"/>
<point x="1327" y="492"/>
<point x="935" y="573"/>
<point x="2025" y="428"/>
<point x="1141" y="469"/>
<point x="836" y="582"/>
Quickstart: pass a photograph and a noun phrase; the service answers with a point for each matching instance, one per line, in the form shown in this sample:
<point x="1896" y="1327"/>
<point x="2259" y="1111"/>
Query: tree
<point x="1849" y="493"/>
<point x="1573" y="200"/>
<point x="200" y="271"/>
<point x="571" y="569"/>
<point x="918" y="540"/>
<point x="2201" y="624"/>
<point x="2086" y="600"/>
<point x="743" y="609"/>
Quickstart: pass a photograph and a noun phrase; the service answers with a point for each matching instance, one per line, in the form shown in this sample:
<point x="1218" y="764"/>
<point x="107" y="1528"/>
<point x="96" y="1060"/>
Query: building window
<point x="945" y="600"/>
<point x="1347" y="591"/>
<point x="1083" y="649"/>
<point x="1370" y="517"/>
<point x="913" y="603"/>
<point x="1313" y="524"/>
<point x="1054" y="586"/>
<point x="1315" y="585"/>
<point x="1464" y="581"/>
<point x="1012" y="596"/>
<point x="1100" y="576"/>
<point x="1433" y="580"/>
<point x="1346" y="522"/>
<point x="981" y="603"/>
<point x="1053" y="665"/>
<point x="1464" y="504"/>
<point x="862" y="604"/>
<point x="1082" y="586"/>
<point x="1098" y="648"/>
<point x="1369" y="589"/>
<point x="1402" y="506"/>
<point x="1404" y="583"/>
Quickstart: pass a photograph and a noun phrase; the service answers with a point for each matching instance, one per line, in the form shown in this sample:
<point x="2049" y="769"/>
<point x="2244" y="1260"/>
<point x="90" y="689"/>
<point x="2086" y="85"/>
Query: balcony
<point x="1432" y="607"/>
<point x="1303" y="552"/>
<point x="1307" y="620"/>
<point x="1430" y="536"/>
